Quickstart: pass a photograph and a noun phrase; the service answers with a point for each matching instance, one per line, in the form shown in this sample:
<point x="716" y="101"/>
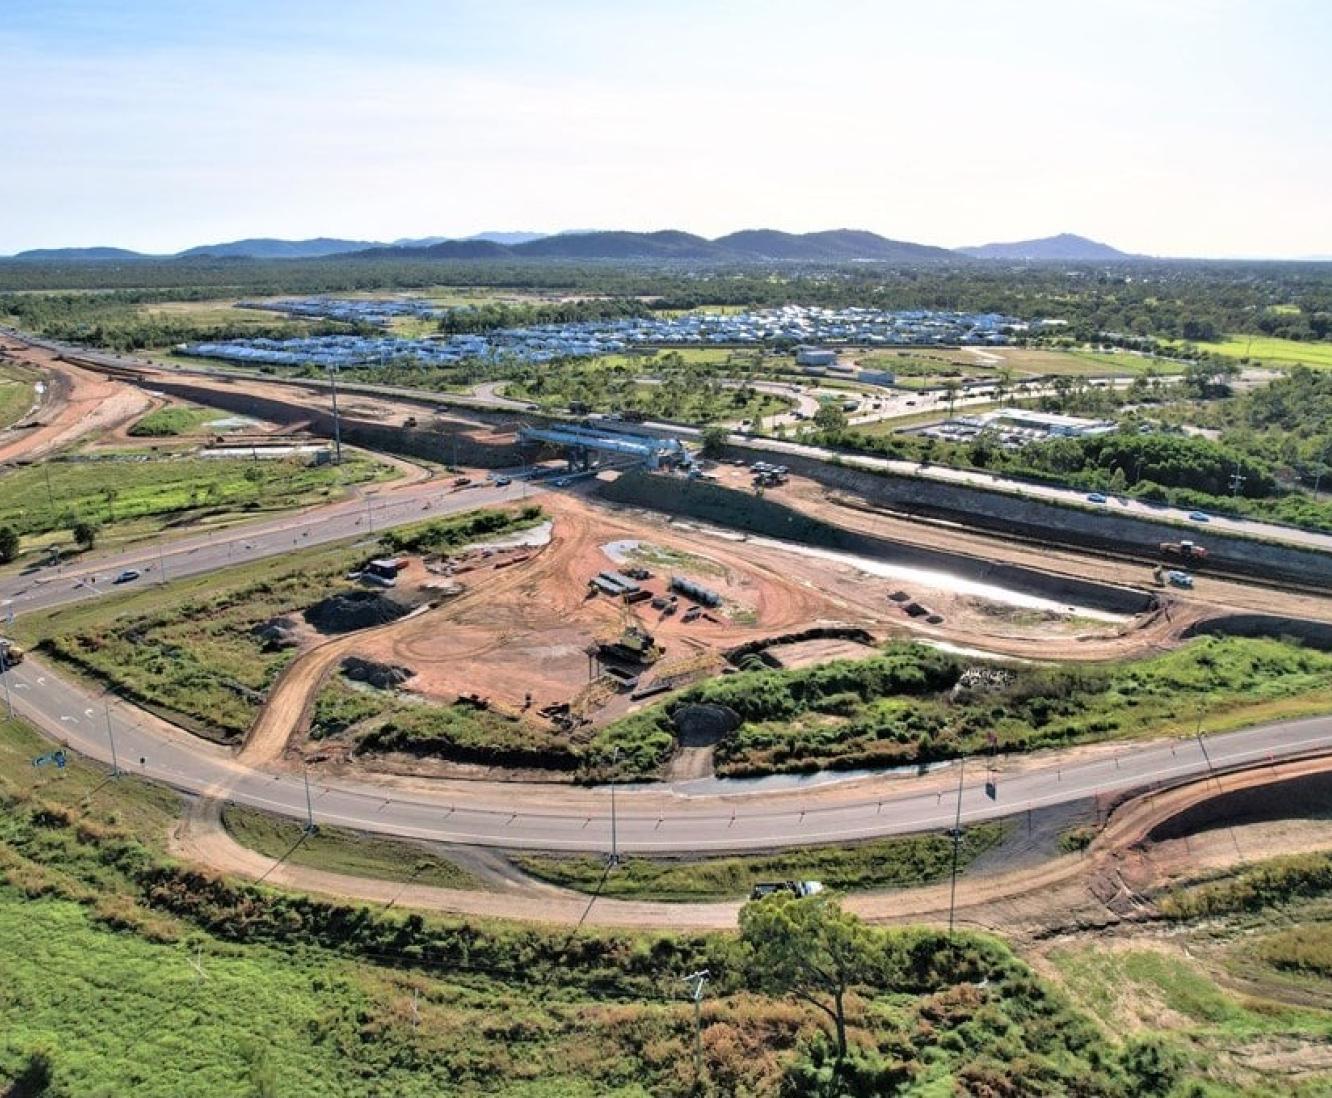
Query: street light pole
<point x="111" y="737"/>
<point x="957" y="842"/>
<point x="337" y="422"/>
<point x="614" y="858"/>
<point x="310" y="828"/>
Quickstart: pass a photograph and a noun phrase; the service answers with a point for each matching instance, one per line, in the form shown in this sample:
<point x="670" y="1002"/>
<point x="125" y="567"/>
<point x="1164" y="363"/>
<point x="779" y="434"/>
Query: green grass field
<point x="884" y="863"/>
<point x="18" y="391"/>
<point x="337" y="850"/>
<point x="1265" y="351"/>
<point x="176" y="420"/>
<point x="136" y="493"/>
<point x="126" y="973"/>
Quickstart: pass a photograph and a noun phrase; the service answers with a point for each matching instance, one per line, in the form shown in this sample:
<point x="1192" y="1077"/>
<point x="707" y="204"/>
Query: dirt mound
<point x="703" y="725"/>
<point x="350" y="610"/>
<point x="384" y="676"/>
<point x="279" y="632"/>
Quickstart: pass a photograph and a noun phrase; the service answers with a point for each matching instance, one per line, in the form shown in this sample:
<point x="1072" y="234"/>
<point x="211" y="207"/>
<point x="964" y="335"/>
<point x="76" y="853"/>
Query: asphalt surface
<point x="373" y="510"/>
<point x="657" y="819"/>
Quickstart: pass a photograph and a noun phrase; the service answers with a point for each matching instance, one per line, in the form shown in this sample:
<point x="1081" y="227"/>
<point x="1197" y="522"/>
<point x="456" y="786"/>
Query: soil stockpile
<point x="351" y="610"/>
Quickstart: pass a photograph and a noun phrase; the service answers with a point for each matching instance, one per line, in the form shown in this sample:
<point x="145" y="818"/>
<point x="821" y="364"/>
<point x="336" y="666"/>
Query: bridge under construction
<point x="586" y="447"/>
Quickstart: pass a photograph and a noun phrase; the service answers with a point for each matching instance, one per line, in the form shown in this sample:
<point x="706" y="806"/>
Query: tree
<point x="810" y="949"/>
<point x="830" y="417"/>
<point x="85" y="533"/>
<point x="9" y="544"/>
<point x="951" y="389"/>
<point x="714" y="440"/>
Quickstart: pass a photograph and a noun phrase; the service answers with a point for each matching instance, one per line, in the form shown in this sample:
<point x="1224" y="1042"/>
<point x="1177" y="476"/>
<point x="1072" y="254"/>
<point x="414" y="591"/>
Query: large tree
<point x="808" y="948"/>
<point x="9" y="544"/>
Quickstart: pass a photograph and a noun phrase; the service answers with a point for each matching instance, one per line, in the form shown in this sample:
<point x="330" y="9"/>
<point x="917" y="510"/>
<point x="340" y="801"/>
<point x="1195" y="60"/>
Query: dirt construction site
<point x="583" y="620"/>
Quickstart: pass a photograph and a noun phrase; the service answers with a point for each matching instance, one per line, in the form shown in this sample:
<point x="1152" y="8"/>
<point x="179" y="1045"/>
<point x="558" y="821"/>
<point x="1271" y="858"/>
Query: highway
<point x="372" y="510"/>
<point x="655" y="819"/>
<point x="489" y="399"/>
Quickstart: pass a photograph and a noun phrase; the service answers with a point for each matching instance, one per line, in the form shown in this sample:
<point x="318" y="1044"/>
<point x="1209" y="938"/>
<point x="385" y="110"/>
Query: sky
<point x="1164" y="127"/>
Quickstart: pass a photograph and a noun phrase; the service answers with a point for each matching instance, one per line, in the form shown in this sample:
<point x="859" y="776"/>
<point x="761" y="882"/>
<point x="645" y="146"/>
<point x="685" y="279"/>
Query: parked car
<point x="128" y="575"/>
<point x="1200" y="516"/>
<point x="799" y="889"/>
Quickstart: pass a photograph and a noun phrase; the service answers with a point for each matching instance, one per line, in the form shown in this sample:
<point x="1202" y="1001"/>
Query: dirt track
<point x="1107" y="884"/>
<point x="78" y="402"/>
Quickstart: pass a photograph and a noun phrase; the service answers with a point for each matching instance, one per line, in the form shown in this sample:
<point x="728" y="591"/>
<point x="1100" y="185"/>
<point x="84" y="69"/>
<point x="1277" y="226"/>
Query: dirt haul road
<point x="1113" y="881"/>
<point x="77" y="403"/>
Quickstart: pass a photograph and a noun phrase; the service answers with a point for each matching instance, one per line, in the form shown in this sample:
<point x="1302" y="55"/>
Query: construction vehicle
<point x="1184" y="550"/>
<point x="11" y="655"/>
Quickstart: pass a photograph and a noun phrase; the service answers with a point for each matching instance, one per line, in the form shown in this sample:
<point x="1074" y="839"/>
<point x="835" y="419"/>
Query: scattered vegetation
<point x="899" y="862"/>
<point x="906" y="705"/>
<point x="140" y="492"/>
<point x="173" y="420"/>
<point x="18" y="391"/>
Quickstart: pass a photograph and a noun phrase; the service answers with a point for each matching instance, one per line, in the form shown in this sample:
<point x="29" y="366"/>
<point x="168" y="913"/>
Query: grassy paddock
<point x="138" y="492"/>
<point x="1267" y="351"/>
<point x="339" y="850"/>
<point x="885" y="863"/>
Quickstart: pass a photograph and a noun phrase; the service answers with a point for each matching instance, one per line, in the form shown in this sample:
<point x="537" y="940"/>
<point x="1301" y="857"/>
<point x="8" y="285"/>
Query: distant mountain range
<point x="1066" y="248"/>
<point x="748" y="245"/>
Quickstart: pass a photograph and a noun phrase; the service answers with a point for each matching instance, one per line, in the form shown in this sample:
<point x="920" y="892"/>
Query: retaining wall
<point x="767" y="517"/>
<point x="1003" y="511"/>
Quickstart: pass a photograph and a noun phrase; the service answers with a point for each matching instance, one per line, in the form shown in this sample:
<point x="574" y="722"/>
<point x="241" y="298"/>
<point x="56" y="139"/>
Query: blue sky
<point x="1181" y="127"/>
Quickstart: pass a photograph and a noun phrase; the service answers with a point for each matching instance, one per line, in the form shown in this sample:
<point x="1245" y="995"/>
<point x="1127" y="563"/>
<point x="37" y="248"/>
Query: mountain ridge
<point x="1067" y="247"/>
<point x="745" y="245"/>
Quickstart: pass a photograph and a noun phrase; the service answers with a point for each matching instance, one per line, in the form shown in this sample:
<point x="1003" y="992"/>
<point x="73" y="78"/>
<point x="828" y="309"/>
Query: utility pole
<point x="1197" y="735"/>
<point x="161" y="561"/>
<point x="696" y="980"/>
<point x="614" y="858"/>
<point x="310" y="827"/>
<point x="957" y="842"/>
<point x="337" y="422"/>
<point x="9" y="698"/>
<point x="111" y="737"/>
<point x="1236" y="481"/>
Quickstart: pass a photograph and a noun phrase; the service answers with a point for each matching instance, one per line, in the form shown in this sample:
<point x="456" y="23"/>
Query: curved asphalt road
<point x="659" y="819"/>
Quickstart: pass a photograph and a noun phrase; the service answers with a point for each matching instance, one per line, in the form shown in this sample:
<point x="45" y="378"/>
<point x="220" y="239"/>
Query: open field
<point x="341" y="851"/>
<point x="112" y="947"/>
<point x="1266" y="351"/>
<point x="884" y="863"/>
<point x="18" y="392"/>
<point x="935" y="366"/>
<point x="174" y="420"/>
<point x="135" y="493"/>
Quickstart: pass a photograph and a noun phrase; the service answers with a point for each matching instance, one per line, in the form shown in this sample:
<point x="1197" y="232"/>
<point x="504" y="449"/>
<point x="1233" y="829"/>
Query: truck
<point x="1183" y="550"/>
<point x="11" y="655"/>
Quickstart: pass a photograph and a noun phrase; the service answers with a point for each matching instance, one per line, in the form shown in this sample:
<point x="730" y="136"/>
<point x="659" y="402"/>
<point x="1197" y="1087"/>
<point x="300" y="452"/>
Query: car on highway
<point x="1200" y="516"/>
<point x="128" y="576"/>
<point x="501" y="482"/>
<point x="561" y="482"/>
<point x="1096" y="497"/>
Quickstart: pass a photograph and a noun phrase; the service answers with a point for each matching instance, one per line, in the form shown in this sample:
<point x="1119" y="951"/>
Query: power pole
<point x="696" y="980"/>
<point x="1236" y="481"/>
<point x="9" y="698"/>
<point x="111" y="736"/>
<point x="310" y="827"/>
<point x="337" y="422"/>
<point x="957" y="842"/>
<point x="1197" y="735"/>
<point x="161" y="561"/>
<point x="614" y="858"/>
